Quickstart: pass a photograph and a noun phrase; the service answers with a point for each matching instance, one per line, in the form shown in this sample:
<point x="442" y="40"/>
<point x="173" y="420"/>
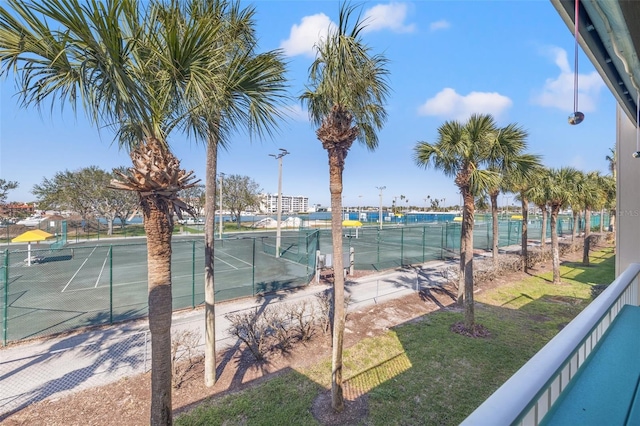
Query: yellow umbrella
<point x="352" y="224"/>
<point x="29" y="237"/>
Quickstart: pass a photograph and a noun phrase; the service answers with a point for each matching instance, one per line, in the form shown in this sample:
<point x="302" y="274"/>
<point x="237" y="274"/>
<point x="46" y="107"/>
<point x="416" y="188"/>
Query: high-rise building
<point x="290" y="204"/>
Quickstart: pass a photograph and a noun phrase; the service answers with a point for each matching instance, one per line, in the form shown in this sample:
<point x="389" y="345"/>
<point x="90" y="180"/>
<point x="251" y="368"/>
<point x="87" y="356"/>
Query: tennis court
<point x="82" y="284"/>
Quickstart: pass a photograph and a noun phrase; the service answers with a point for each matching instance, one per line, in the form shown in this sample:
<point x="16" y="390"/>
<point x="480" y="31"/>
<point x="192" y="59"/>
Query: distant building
<point x="290" y="204"/>
<point x="14" y="209"/>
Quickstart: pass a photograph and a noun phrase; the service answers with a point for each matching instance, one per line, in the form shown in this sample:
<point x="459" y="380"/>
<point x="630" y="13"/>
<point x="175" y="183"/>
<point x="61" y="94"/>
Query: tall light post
<point x="221" y="224"/>
<point x="278" y="157"/>
<point x="381" y="188"/>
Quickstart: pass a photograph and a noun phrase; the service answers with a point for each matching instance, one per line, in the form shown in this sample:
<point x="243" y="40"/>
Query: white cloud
<point x="391" y="16"/>
<point x="439" y="25"/>
<point x="449" y="105"/>
<point x="296" y="112"/>
<point x="558" y="92"/>
<point x="303" y="37"/>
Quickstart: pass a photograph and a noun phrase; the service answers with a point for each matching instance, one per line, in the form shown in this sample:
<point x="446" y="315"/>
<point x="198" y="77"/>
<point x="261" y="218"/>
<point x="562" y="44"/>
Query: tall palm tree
<point x="537" y="194"/>
<point x="507" y="157"/>
<point x="245" y="95"/>
<point x="613" y="167"/>
<point x="559" y="188"/>
<point x="521" y="184"/>
<point x="128" y="68"/>
<point x="345" y="97"/>
<point x="462" y="151"/>
<point x="591" y="197"/>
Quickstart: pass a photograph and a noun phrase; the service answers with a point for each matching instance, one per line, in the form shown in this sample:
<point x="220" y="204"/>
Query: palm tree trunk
<point x="555" y="249"/>
<point x="587" y="235"/>
<point x="495" y="225"/>
<point x="158" y="227"/>
<point x="543" y="234"/>
<point x="209" y="284"/>
<point x="336" y="166"/>
<point x="576" y="226"/>
<point x="463" y="253"/>
<point x="467" y="266"/>
<point x="525" y="232"/>
<point x="601" y="220"/>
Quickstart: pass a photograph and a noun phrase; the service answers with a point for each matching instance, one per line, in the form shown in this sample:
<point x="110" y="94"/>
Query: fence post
<point x="193" y="274"/>
<point x="378" y="246"/>
<point x="111" y="284"/>
<point x="5" y="317"/>
<point x="401" y="246"/>
<point x="253" y="268"/>
<point x="442" y="234"/>
<point x="424" y="236"/>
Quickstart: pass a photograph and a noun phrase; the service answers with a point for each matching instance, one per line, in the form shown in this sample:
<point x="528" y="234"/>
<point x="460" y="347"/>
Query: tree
<point x="80" y="191"/>
<point x="129" y="68"/>
<point x="558" y="186"/>
<point x="246" y="93"/>
<point x="613" y="167"/>
<point x="240" y="193"/>
<point x="5" y="187"/>
<point x="345" y="97"/>
<point x="537" y="194"/>
<point x="508" y="158"/>
<point x="195" y="197"/>
<point x="462" y="151"/>
<point x="591" y="195"/>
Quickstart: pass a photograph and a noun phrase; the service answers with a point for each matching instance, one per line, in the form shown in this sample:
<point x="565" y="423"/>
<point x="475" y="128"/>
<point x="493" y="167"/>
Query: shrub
<point x="184" y="355"/>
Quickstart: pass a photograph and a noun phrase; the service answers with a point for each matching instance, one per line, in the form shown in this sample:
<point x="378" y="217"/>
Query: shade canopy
<point x="32" y="236"/>
<point x="351" y="223"/>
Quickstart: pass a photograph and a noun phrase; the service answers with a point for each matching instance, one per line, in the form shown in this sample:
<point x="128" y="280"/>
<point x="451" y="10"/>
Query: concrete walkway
<point x="51" y="368"/>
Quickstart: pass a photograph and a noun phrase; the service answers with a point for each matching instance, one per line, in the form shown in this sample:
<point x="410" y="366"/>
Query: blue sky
<point x="448" y="59"/>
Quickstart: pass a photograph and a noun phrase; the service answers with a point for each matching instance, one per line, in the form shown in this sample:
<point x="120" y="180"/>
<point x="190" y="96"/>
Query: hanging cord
<point x="575" y="61"/>
<point x="576" y="117"/>
<point x="638" y="122"/>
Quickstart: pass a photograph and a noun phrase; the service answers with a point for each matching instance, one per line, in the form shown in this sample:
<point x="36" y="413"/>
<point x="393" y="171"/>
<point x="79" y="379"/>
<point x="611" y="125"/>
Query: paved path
<point x="51" y="368"/>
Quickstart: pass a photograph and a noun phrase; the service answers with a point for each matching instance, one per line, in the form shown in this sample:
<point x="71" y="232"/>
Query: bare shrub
<point x="278" y="321"/>
<point x="252" y="329"/>
<point x="303" y="320"/>
<point x="184" y="355"/>
<point x="325" y="303"/>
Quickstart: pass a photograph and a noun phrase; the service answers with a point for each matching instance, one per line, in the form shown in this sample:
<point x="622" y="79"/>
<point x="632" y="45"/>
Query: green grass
<point x="422" y="373"/>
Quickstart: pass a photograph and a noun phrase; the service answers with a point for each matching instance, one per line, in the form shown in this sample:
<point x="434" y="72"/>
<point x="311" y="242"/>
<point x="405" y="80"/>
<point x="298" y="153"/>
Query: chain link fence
<point x="84" y="285"/>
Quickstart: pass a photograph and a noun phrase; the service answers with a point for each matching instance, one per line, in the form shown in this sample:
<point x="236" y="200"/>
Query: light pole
<point x="278" y="157"/>
<point x="381" y="188"/>
<point x="221" y="225"/>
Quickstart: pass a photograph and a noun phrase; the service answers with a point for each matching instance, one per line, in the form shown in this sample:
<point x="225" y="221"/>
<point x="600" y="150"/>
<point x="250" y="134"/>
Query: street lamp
<point x="221" y="225"/>
<point x="278" y="157"/>
<point x="381" y="188"/>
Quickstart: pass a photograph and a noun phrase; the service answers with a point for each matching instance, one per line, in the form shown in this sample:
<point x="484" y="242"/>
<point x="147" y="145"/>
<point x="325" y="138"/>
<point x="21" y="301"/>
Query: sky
<point x="513" y="59"/>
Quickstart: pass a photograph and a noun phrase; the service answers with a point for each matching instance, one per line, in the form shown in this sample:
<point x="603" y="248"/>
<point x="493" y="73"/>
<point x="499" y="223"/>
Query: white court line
<point x="216" y="257"/>
<point x="74" y="275"/>
<point x="101" y="270"/>
<point x="246" y="263"/>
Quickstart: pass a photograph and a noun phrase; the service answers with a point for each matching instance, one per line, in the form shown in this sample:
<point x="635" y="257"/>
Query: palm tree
<point x="559" y="188"/>
<point x="461" y="151"/>
<point x="592" y="196"/>
<point x="537" y="194"/>
<point x="130" y="69"/>
<point x="522" y="184"/>
<point x="507" y="157"/>
<point x="345" y="98"/>
<point x="613" y="167"/>
<point x="248" y="89"/>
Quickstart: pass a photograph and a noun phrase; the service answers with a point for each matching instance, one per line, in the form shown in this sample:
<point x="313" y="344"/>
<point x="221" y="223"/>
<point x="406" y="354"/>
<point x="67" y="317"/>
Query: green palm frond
<point x="347" y="76"/>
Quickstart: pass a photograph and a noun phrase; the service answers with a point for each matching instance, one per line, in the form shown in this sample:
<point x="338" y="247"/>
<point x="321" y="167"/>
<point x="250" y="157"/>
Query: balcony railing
<point x="528" y="395"/>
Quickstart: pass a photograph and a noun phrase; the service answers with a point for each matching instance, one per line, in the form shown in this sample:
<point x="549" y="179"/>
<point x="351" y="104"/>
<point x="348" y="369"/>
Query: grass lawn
<point x="420" y="372"/>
